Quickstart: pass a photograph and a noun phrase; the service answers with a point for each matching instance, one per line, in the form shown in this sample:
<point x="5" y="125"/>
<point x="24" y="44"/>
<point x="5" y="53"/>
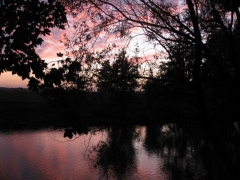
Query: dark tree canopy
<point x="118" y="76"/>
<point x="22" y="25"/>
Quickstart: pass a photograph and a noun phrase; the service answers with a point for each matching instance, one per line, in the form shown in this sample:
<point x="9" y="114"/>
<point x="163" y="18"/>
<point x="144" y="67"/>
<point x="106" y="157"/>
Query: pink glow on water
<point x="47" y="155"/>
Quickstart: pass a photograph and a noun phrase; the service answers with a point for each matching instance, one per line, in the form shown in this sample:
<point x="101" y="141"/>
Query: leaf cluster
<point x="22" y="25"/>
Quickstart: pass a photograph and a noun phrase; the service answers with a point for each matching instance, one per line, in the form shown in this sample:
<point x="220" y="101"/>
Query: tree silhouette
<point x="118" y="76"/>
<point x="23" y="23"/>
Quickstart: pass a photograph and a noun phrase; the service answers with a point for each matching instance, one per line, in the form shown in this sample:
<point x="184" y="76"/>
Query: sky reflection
<point x="47" y="155"/>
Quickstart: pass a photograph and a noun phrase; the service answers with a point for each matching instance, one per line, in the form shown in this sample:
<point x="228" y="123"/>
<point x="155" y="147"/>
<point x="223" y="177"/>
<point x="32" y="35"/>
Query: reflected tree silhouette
<point x="187" y="151"/>
<point x="115" y="157"/>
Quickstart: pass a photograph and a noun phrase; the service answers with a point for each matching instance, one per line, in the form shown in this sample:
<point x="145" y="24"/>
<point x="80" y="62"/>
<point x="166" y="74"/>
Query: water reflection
<point x="43" y="155"/>
<point x="187" y="152"/>
<point x="112" y="153"/>
<point x="115" y="157"/>
<point x="157" y="151"/>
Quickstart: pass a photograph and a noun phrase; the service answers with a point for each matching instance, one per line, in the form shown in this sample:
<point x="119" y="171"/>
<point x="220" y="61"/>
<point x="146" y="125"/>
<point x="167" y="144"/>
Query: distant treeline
<point x="14" y="89"/>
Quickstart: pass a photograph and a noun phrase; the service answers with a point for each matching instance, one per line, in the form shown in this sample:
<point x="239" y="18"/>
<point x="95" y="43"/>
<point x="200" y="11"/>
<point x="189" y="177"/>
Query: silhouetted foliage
<point x="118" y="80"/>
<point x="220" y="85"/>
<point x="118" y="76"/>
<point x="23" y="22"/>
<point x="171" y="90"/>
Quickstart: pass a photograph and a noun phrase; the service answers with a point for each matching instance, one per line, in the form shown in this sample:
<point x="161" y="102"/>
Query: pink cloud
<point x="51" y="45"/>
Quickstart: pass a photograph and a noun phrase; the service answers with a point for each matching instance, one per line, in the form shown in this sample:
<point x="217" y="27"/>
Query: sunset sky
<point x="51" y="46"/>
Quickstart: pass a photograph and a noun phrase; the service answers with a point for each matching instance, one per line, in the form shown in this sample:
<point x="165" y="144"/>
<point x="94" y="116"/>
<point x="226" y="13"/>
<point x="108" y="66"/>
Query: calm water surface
<point x="46" y="154"/>
<point x="157" y="152"/>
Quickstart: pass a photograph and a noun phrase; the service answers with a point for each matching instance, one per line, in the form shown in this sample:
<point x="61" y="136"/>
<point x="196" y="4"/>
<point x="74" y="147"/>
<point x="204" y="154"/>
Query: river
<point x="139" y="152"/>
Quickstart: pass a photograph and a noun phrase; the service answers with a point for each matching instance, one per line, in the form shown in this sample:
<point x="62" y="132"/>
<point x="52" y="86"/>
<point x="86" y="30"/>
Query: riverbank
<point x="22" y="108"/>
